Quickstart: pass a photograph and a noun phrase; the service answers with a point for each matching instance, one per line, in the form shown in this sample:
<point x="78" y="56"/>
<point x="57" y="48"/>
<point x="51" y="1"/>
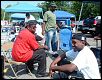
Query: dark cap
<point x="79" y="36"/>
<point x="32" y="22"/>
<point x="53" y="4"/>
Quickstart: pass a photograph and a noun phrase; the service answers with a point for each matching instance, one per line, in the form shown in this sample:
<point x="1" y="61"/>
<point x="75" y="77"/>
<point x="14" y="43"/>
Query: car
<point x="4" y="37"/>
<point x="4" y="29"/>
<point x="88" y="26"/>
<point x="98" y="19"/>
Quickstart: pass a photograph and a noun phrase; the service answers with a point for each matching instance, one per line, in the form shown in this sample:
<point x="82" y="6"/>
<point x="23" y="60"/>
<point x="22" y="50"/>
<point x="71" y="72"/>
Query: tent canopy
<point x="18" y="15"/>
<point x="23" y="7"/>
<point x="63" y="14"/>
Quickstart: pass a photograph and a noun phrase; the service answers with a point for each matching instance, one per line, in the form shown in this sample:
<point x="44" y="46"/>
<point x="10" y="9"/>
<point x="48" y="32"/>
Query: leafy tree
<point x="61" y="5"/>
<point x="88" y="7"/>
<point x="74" y="7"/>
<point x="2" y="11"/>
<point x="7" y="15"/>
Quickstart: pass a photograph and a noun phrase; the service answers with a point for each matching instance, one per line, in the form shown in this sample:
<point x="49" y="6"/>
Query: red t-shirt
<point x="24" y="46"/>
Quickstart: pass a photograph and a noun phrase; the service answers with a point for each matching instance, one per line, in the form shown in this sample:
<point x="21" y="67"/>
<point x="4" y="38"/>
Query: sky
<point x="5" y="3"/>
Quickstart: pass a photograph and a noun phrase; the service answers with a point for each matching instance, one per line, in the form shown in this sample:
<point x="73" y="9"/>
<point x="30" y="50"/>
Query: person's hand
<point x="51" y="72"/>
<point x="46" y="47"/>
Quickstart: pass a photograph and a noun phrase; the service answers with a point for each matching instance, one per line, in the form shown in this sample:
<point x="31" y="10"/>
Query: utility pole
<point x="80" y="14"/>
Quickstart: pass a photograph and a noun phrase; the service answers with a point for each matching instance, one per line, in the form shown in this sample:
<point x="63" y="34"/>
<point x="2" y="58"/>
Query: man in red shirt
<point x="26" y="49"/>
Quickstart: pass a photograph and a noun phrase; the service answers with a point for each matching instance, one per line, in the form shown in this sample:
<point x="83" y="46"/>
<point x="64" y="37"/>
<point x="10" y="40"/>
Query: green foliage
<point x="7" y="15"/>
<point x="2" y="14"/>
<point x="73" y="7"/>
<point x="88" y="7"/>
<point x="36" y="15"/>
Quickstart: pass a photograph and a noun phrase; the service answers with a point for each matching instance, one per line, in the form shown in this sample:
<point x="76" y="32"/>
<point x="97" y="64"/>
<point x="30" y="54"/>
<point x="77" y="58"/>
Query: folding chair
<point x="6" y="50"/>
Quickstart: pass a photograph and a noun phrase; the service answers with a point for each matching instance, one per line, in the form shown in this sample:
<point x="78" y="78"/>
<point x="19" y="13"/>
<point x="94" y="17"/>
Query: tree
<point x="88" y="7"/>
<point x="61" y="5"/>
<point x="7" y="15"/>
<point x="74" y="7"/>
<point x="2" y="12"/>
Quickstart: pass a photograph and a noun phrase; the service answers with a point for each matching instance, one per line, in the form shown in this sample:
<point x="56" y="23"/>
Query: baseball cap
<point x="80" y="36"/>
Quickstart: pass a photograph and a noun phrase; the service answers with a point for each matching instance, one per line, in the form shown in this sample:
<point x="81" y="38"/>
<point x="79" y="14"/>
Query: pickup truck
<point x="89" y="25"/>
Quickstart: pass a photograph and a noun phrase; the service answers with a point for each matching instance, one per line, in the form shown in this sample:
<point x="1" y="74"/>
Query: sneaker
<point x="51" y="52"/>
<point x="55" y="55"/>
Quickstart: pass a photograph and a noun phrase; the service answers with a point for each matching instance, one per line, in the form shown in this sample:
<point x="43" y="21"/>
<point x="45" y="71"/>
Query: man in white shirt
<point x="85" y="61"/>
<point x="38" y="29"/>
<point x="29" y="17"/>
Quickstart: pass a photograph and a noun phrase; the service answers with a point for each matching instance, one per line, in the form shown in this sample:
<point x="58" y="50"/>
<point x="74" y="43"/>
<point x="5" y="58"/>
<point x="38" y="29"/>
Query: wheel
<point x="92" y="33"/>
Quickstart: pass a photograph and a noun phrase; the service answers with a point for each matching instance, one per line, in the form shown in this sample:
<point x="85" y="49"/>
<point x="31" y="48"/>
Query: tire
<point x="92" y="33"/>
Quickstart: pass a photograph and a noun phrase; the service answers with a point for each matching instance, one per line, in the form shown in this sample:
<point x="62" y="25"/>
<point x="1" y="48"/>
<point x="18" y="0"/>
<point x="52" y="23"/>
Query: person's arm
<point x="60" y="57"/>
<point x="34" y="44"/>
<point x="45" y="19"/>
<point x="43" y="47"/>
<point x="56" y="26"/>
<point x="64" y="68"/>
<point x="55" y="62"/>
<point x="43" y="28"/>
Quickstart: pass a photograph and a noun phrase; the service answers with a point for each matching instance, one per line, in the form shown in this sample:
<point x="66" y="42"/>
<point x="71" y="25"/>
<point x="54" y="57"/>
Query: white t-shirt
<point x="31" y="18"/>
<point x="39" y="32"/>
<point x="86" y="63"/>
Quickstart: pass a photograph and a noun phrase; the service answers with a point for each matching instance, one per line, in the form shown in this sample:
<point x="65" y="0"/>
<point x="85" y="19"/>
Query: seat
<point x="6" y="52"/>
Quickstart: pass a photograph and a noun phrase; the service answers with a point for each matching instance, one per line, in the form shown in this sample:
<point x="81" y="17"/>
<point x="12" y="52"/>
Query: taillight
<point x="95" y="22"/>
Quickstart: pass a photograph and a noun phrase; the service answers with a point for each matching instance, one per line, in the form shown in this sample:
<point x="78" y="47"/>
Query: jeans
<point x="65" y="75"/>
<point x="51" y="39"/>
<point x="39" y="57"/>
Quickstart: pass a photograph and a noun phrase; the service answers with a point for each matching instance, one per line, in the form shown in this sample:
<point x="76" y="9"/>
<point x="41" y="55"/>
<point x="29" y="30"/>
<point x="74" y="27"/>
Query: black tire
<point x="92" y="33"/>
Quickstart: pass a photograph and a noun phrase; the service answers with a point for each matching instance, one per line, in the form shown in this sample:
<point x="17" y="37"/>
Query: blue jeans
<point x="51" y="39"/>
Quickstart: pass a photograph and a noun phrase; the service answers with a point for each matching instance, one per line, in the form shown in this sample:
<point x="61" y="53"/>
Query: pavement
<point x="23" y="75"/>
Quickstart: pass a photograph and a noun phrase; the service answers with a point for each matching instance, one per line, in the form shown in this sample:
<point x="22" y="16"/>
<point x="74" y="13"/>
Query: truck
<point x="89" y="25"/>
